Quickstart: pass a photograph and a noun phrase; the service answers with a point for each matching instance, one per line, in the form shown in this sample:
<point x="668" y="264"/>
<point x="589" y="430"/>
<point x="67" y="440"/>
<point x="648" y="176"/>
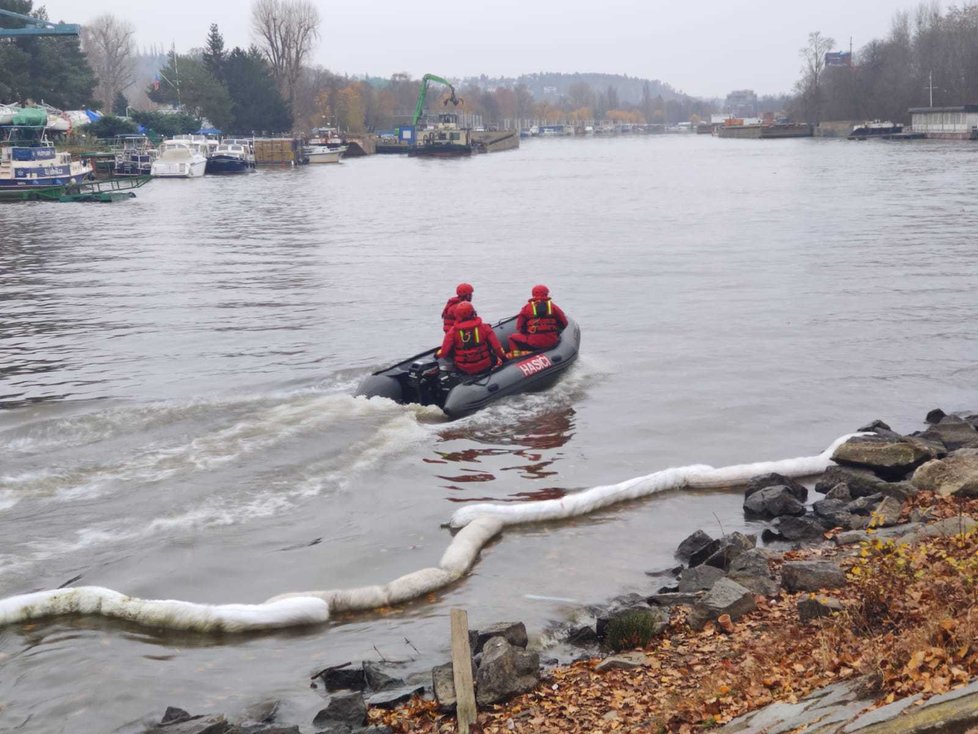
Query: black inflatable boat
<point x="420" y="379"/>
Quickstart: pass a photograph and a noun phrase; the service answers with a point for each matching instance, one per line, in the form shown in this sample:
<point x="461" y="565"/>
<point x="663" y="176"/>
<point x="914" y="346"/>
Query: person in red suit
<point x="472" y="345"/>
<point x="463" y="292"/>
<point x="539" y="324"/>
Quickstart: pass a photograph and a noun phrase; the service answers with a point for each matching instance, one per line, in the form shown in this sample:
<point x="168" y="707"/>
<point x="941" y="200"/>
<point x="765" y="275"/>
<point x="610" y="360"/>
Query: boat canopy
<point x="31" y="116"/>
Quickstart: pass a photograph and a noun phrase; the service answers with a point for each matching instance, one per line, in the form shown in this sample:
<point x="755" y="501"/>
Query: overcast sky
<point x="705" y="48"/>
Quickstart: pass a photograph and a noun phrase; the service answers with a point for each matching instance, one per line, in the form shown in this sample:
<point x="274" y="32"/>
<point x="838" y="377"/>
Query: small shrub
<point x="636" y="628"/>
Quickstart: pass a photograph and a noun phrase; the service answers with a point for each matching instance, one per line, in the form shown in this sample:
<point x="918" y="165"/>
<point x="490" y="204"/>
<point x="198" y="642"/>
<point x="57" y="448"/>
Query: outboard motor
<point x="423" y="381"/>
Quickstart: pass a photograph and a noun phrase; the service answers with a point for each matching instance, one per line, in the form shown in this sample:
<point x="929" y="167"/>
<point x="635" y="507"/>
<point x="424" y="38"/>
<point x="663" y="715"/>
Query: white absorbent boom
<point x="477" y="525"/>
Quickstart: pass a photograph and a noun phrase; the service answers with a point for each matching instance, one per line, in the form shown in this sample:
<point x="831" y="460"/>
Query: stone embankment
<point x="721" y="585"/>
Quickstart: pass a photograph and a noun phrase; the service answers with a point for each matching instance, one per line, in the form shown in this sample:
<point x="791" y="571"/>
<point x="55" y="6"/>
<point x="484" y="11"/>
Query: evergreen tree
<point x="50" y="69"/>
<point x="258" y="106"/>
<point x="120" y="105"/>
<point x="187" y="83"/>
<point x="214" y="55"/>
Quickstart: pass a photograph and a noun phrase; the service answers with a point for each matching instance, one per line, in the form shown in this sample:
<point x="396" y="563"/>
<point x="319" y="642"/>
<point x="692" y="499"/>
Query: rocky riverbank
<point x="859" y="613"/>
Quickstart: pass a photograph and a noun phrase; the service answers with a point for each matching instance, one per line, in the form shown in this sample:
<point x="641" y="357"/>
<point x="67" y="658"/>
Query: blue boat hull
<point x="226" y="164"/>
<point x="40" y="183"/>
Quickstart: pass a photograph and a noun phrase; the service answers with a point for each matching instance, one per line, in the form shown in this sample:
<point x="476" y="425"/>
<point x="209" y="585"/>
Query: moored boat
<point x="231" y="157"/>
<point x="420" y="379"/>
<point x="29" y="162"/>
<point x="874" y="129"/>
<point x="323" y="153"/>
<point x="180" y="158"/>
<point x="446" y="140"/>
<point x="134" y="155"/>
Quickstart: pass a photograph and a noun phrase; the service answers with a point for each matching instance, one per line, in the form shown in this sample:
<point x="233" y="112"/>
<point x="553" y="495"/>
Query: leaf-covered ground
<point x="909" y="625"/>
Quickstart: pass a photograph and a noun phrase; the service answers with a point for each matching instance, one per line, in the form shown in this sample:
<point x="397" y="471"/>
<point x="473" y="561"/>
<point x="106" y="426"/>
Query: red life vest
<point x="472" y="351"/>
<point x="543" y="320"/>
<point x="447" y="314"/>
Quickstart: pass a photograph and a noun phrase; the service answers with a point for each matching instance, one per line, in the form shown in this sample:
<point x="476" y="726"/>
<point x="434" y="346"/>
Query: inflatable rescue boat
<point x="422" y="379"/>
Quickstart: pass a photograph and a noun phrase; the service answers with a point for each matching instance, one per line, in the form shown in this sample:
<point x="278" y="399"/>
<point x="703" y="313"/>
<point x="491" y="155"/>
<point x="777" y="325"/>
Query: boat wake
<point x="250" y="427"/>
<point x="476" y="524"/>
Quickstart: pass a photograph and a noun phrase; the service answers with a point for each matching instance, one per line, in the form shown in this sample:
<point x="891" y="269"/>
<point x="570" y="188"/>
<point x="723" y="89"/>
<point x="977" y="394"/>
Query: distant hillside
<point x="551" y="86"/>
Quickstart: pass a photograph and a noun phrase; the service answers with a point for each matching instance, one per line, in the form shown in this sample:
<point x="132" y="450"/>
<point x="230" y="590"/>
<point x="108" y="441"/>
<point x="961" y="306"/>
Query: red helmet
<point x="464" y="310"/>
<point x="463" y="289"/>
<point x="540" y="291"/>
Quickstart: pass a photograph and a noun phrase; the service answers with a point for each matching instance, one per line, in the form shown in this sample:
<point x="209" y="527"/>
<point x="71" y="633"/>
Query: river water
<point x="176" y="375"/>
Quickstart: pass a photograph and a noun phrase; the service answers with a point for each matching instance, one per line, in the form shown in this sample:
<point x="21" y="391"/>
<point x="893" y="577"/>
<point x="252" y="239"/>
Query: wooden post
<point x="462" y="671"/>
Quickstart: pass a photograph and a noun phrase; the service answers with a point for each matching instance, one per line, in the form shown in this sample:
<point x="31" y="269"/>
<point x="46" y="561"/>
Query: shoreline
<point x="675" y="678"/>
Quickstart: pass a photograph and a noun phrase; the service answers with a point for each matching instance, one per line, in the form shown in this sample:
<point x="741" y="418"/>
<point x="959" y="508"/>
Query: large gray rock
<point x="811" y="576"/>
<point x="209" y="724"/>
<point x="864" y="505"/>
<point x="953" y="432"/>
<point x="880" y="429"/>
<point x="343" y="678"/>
<point x="674" y="599"/>
<point x="692" y="543"/>
<point x="343" y="708"/>
<point x="834" y="514"/>
<point x="392" y="698"/>
<point x="377" y="679"/>
<point x="797" y="528"/>
<point x="513" y="632"/>
<point x="956" y="474"/>
<point x="756" y="484"/>
<point x="814" y="607"/>
<point x="725" y="549"/>
<point x="443" y="686"/>
<point x="773" y="501"/>
<point x="935" y="416"/>
<point x="862" y="482"/>
<point x="887" y="457"/>
<point x="505" y="671"/>
<point x="726" y="597"/>
<point x="887" y="513"/>
<point x="699" y="578"/>
<point x="839" y="492"/>
<point x="752" y="570"/>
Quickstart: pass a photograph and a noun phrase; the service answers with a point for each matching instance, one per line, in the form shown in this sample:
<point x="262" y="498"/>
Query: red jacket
<point x="448" y="313"/>
<point x="540" y="323"/>
<point x="473" y="344"/>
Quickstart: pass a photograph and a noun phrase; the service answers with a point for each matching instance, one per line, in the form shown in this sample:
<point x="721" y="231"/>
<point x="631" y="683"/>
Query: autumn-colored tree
<point x="630" y="117"/>
<point x="350" y="114"/>
<point x="580" y="115"/>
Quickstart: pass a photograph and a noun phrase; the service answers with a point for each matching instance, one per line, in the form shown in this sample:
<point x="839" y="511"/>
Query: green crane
<point x="423" y="92"/>
<point x="37" y="27"/>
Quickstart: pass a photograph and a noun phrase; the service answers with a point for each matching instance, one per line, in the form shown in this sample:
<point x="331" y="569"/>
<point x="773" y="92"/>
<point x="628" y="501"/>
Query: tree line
<point x="928" y="54"/>
<point x="271" y="86"/>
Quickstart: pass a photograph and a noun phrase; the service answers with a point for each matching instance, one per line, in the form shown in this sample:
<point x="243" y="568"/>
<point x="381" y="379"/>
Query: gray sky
<point x="705" y="48"/>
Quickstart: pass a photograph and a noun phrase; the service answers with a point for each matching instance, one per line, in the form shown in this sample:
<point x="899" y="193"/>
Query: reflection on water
<point x="532" y="440"/>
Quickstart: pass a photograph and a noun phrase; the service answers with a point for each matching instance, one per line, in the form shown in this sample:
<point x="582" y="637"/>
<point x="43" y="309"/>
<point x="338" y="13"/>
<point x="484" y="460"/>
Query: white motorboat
<point x="323" y="153"/>
<point x="180" y="158"/>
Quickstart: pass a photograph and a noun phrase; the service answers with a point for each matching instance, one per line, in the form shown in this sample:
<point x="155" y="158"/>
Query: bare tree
<point x="813" y="56"/>
<point x="286" y="31"/>
<point x="108" y="44"/>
